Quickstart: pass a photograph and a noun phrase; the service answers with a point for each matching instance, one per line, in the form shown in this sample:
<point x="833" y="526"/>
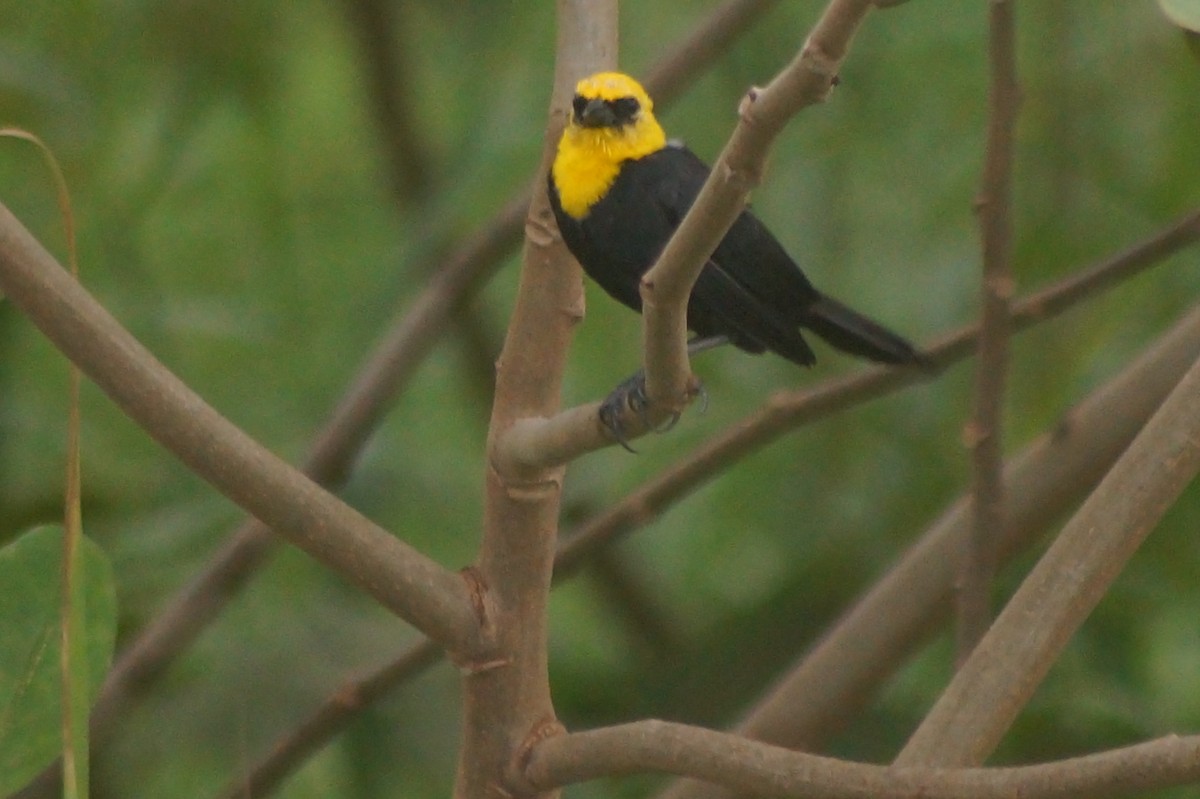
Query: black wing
<point x="750" y="290"/>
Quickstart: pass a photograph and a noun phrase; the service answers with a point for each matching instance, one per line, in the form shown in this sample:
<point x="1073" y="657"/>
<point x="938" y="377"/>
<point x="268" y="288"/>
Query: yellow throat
<point x="589" y="158"/>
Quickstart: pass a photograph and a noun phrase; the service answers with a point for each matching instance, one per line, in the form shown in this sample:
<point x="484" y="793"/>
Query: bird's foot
<point x="630" y="395"/>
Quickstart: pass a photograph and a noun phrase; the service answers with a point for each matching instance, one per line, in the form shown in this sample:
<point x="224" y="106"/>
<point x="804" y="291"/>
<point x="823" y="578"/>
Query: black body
<point x="750" y="291"/>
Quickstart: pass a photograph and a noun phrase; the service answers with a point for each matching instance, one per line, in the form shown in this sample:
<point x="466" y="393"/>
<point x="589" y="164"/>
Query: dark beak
<point x="597" y="114"/>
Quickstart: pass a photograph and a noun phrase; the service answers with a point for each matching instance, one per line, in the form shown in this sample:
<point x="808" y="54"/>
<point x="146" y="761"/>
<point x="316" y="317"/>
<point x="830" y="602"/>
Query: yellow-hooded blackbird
<point x="619" y="190"/>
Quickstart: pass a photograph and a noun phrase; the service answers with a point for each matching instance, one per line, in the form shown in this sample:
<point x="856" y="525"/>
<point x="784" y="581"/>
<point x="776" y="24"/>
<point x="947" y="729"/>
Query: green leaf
<point x="1184" y="13"/>
<point x="30" y="678"/>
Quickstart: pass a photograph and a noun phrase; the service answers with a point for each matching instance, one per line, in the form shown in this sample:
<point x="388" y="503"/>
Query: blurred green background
<point x="237" y="211"/>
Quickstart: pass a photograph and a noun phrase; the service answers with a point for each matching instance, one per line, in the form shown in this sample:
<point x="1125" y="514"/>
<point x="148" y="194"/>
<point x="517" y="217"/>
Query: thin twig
<point x="761" y="769"/>
<point x="984" y="433"/>
<point x="700" y="49"/>
<point x="307" y="739"/>
<point x="383" y="36"/>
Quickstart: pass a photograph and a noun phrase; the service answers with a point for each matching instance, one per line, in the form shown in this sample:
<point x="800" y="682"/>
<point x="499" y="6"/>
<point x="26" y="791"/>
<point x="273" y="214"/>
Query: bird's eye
<point x="578" y="104"/>
<point x="624" y="108"/>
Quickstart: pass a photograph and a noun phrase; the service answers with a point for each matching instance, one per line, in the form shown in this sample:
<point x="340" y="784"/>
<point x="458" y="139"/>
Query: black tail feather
<point x="854" y="333"/>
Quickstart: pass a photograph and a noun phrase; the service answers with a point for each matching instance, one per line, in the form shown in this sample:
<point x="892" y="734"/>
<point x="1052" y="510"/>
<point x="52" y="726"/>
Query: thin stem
<point x="700" y="49"/>
<point x="984" y="433"/>
<point x="761" y="769"/>
<point x="312" y="735"/>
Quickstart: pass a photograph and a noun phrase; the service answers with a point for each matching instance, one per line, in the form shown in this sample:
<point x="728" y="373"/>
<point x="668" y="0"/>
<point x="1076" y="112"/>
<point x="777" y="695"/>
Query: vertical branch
<point x="763" y="113"/>
<point x="984" y="432"/>
<point x="506" y="696"/>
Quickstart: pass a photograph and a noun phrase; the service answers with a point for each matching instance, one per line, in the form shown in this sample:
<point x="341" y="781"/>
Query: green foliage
<point x="236" y="211"/>
<point x="30" y="667"/>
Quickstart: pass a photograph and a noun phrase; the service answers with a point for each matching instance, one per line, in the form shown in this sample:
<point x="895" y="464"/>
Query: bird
<point x="619" y="189"/>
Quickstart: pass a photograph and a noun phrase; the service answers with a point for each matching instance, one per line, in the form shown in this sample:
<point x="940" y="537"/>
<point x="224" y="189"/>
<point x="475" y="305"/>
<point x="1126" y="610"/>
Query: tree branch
<point x="329" y="462"/>
<point x="432" y="598"/>
<point x="506" y="698"/>
<point x="984" y="436"/>
<point x="975" y="711"/>
<point x="666" y="287"/>
<point x="749" y="766"/>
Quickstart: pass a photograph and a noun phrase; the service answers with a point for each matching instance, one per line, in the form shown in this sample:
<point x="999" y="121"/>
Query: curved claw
<point x="610" y="417"/>
<point x="631" y="394"/>
<point x="666" y="426"/>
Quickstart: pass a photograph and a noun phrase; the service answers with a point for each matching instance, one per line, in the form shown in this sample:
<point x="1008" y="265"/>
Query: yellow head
<point x="612" y="121"/>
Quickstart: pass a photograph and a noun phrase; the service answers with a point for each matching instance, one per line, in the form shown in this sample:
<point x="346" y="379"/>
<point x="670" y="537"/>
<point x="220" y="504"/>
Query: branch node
<point x="518" y="778"/>
<point x="1002" y="287"/>
<point x="540" y="228"/>
<point x="747" y="102"/>
<point x="817" y="61"/>
<point x="470" y="667"/>
<point x="576" y="309"/>
<point x="477" y="591"/>
<point x="349" y="696"/>
<point x="974" y="434"/>
<point x="532" y="490"/>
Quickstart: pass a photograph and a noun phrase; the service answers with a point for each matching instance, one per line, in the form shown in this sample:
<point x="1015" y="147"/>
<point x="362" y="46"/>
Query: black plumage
<point x="750" y="291"/>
